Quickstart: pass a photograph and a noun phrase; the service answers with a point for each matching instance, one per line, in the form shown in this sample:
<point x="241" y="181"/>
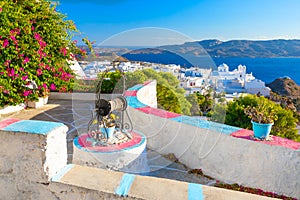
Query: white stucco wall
<point x="233" y="160"/>
<point x="29" y="160"/>
<point x="147" y="95"/>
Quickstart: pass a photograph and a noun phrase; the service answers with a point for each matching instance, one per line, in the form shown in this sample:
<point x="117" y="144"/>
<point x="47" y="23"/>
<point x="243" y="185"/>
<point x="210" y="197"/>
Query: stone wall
<point x="212" y="148"/>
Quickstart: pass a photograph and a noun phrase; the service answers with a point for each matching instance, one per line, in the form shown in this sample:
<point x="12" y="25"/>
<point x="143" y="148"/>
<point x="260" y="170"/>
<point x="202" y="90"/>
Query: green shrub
<point x="284" y="126"/>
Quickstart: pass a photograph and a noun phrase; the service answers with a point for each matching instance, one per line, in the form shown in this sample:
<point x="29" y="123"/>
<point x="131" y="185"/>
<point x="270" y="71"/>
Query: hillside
<point x="156" y="55"/>
<point x="289" y="93"/>
<point x="217" y="48"/>
<point x="285" y="87"/>
<point x="254" y="49"/>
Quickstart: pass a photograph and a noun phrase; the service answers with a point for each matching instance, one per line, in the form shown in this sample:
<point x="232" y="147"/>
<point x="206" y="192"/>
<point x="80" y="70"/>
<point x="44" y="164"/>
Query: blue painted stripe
<point x="125" y="185"/>
<point x="62" y="172"/>
<point x="134" y="102"/>
<point x="136" y="87"/>
<point x="33" y="126"/>
<point x="222" y="128"/>
<point x="195" y="192"/>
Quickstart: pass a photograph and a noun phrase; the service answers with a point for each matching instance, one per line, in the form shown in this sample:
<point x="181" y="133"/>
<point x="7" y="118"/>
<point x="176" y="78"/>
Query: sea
<point x="266" y="69"/>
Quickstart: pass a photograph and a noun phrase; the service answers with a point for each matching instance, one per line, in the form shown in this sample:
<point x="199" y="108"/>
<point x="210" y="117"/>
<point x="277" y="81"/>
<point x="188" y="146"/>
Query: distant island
<point x="253" y="49"/>
<point x="217" y="48"/>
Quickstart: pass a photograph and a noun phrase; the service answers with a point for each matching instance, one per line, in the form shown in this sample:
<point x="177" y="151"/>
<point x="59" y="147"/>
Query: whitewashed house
<point x="237" y="81"/>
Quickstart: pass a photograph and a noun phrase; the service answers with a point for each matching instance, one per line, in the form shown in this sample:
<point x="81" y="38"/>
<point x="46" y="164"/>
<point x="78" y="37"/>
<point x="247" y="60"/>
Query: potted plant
<point x="108" y="125"/>
<point x="262" y="117"/>
<point x="43" y="93"/>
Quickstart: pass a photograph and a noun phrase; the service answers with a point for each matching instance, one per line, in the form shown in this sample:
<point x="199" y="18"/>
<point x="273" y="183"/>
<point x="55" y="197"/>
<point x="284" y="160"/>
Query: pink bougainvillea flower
<point x="42" y="43"/>
<point x="21" y="69"/>
<point x="5" y="91"/>
<point x="26" y="60"/>
<point x="47" y="67"/>
<point x="45" y="85"/>
<point x="63" y="89"/>
<point x="5" y="43"/>
<point x="64" y="51"/>
<point x="41" y="53"/>
<point x="10" y="72"/>
<point x="13" y="38"/>
<point x="26" y="93"/>
<point x="0" y="9"/>
<point x="52" y="86"/>
<point x="39" y="71"/>
<point x="24" y="77"/>
<point x="32" y="28"/>
<point x="37" y="36"/>
<point x="6" y="63"/>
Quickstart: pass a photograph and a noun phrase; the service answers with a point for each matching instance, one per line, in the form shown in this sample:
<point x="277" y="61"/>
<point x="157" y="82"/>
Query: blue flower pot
<point x="261" y="131"/>
<point x="108" y="132"/>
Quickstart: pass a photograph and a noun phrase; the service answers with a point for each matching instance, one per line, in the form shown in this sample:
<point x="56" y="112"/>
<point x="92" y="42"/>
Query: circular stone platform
<point x="116" y="156"/>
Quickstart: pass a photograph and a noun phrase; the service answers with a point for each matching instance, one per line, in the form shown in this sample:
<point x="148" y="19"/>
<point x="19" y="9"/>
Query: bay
<point x="266" y="69"/>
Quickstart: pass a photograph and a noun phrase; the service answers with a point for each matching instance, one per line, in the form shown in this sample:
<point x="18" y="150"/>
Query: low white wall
<point x="232" y="160"/>
<point x="147" y="95"/>
<point x="28" y="160"/>
<point x="79" y="96"/>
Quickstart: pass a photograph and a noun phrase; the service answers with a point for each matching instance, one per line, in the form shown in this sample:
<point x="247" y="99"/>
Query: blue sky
<point x="197" y="19"/>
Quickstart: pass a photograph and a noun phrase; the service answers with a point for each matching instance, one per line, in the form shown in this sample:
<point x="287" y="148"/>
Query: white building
<point x="94" y="68"/>
<point x="74" y="65"/>
<point x="237" y="81"/>
<point x="192" y="82"/>
<point x="257" y="86"/>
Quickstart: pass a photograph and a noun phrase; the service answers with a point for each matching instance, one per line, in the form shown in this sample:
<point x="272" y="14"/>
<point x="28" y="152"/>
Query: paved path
<point x="76" y="114"/>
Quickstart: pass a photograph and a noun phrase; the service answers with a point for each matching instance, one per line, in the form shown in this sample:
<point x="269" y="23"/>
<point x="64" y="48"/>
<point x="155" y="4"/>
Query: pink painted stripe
<point x="277" y="141"/>
<point x="7" y="122"/>
<point x="130" y="93"/>
<point x="83" y="142"/>
<point x="158" y="112"/>
<point x="147" y="82"/>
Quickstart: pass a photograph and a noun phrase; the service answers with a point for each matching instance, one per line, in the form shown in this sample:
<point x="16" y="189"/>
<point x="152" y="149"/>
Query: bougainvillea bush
<point x="35" y="47"/>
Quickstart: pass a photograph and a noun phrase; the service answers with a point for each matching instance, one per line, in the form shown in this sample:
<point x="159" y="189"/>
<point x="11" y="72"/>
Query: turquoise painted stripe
<point x="125" y="185"/>
<point x="136" y="87"/>
<point x="62" y="172"/>
<point x="221" y="128"/>
<point x="134" y="102"/>
<point x="33" y="126"/>
<point x="195" y="192"/>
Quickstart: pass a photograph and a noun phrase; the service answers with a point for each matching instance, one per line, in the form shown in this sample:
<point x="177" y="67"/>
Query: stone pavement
<point x="76" y="115"/>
